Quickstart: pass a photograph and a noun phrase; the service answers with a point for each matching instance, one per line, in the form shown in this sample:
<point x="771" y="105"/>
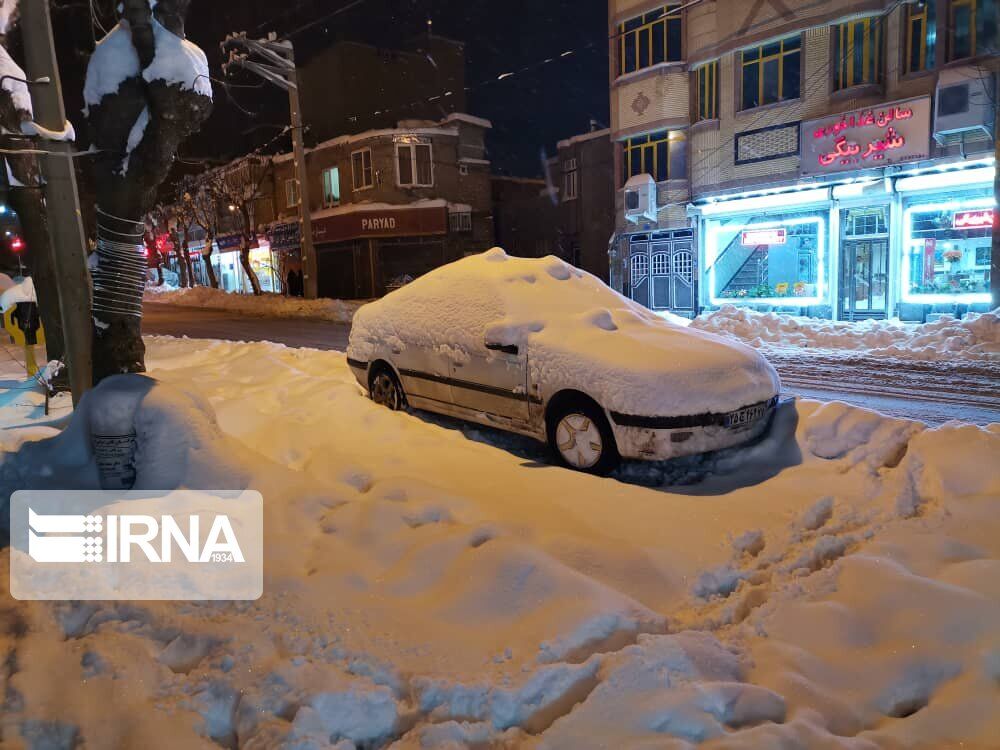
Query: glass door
<point x="864" y="264"/>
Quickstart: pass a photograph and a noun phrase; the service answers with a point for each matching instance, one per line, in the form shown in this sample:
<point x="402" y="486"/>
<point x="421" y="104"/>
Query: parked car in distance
<point x="540" y="348"/>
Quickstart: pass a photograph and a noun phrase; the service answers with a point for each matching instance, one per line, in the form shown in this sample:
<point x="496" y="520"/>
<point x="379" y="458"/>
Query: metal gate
<point x="662" y="271"/>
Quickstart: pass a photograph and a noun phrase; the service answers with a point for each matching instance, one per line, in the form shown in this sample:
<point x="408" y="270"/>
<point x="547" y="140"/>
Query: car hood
<point x="634" y="362"/>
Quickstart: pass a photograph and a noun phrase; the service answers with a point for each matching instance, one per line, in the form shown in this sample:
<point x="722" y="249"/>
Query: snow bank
<point x="977" y="337"/>
<point x="577" y="333"/>
<point x="266" y="305"/>
<point x="424" y="589"/>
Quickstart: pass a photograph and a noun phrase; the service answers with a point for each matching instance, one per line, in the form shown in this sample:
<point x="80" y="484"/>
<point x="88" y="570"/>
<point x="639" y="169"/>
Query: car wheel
<point x="384" y="389"/>
<point x="581" y="438"/>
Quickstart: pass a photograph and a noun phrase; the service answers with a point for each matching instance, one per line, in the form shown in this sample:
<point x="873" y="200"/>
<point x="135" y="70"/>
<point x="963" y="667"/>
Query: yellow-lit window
<point x="649" y="39"/>
<point x="707" y="90"/>
<point x="857" y="52"/>
<point x="921" y="35"/>
<point x="663" y="155"/>
<point x="972" y="28"/>
<point x="772" y="72"/>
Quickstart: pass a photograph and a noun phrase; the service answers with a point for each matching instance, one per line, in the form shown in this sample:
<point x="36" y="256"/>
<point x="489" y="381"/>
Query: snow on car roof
<point x="577" y="331"/>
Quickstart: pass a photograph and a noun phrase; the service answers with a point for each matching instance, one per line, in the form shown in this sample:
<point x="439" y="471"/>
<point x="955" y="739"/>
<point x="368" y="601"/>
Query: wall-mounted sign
<point x="396" y="222"/>
<point x="772" y="236"/>
<point x="981" y="219"/>
<point x="867" y="138"/>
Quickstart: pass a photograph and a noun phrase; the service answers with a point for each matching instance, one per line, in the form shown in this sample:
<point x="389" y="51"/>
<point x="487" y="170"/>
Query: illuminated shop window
<point x="777" y="261"/>
<point x="947" y="251"/>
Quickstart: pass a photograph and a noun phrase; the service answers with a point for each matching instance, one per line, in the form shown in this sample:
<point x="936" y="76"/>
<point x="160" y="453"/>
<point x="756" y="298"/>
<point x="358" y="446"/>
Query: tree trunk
<point x="182" y="268"/>
<point x="172" y="113"/>
<point x="206" y="256"/>
<point x="245" y="262"/>
<point x="186" y="250"/>
<point x="159" y="271"/>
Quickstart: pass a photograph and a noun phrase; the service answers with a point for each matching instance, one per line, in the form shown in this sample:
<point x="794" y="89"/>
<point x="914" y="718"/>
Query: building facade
<point x="829" y="159"/>
<point x="387" y="205"/>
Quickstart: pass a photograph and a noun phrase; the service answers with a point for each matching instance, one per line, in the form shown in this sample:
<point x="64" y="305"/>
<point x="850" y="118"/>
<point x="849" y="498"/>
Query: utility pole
<point x="69" y="245"/>
<point x="279" y="68"/>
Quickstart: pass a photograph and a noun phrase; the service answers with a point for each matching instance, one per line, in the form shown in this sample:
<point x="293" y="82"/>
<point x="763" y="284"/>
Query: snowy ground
<point x="430" y="584"/>
<point x="266" y="305"/>
<point x="975" y="338"/>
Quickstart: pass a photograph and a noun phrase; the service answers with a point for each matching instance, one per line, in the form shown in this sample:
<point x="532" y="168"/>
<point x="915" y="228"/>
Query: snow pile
<point x="177" y="62"/>
<point x="14" y="76"/>
<point x="266" y="305"/>
<point x="977" y="337"/>
<point x="424" y="589"/>
<point x="576" y="331"/>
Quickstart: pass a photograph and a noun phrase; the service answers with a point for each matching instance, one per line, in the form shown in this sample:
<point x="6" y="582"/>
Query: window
<point x="649" y="39"/>
<point x="972" y="28"/>
<point x="921" y="36"/>
<point x="460" y="222"/>
<point x="414" y="163"/>
<point x="771" y="73"/>
<point x="570" y="175"/>
<point x="661" y="264"/>
<point x="948" y="251"/>
<point x="707" y="88"/>
<point x="766" y="261"/>
<point x="857" y="52"/>
<point x="331" y="186"/>
<point x="361" y="167"/>
<point x="684" y="265"/>
<point x="640" y="269"/>
<point x="662" y="155"/>
<point x="291" y="193"/>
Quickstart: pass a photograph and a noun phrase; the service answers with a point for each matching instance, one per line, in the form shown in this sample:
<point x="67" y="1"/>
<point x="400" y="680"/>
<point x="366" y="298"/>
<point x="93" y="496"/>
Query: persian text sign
<point x="981" y="219"/>
<point x="889" y="134"/>
<point x="183" y="545"/>
<point x="773" y="236"/>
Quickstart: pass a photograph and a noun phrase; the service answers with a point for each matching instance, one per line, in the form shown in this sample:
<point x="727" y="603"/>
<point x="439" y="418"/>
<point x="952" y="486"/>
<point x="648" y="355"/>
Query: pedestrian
<point x="300" y="284"/>
<point x="290" y="283"/>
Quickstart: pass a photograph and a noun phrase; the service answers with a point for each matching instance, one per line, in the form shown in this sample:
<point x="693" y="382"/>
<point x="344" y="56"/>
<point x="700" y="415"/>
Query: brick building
<point x="388" y="205"/>
<point x="831" y="159"/>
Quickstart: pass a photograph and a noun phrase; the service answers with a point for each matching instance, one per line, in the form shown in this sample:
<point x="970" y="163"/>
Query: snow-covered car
<point x="538" y="347"/>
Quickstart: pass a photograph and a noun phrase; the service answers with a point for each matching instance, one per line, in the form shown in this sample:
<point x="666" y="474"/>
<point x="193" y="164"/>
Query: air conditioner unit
<point x="964" y="105"/>
<point x="640" y="199"/>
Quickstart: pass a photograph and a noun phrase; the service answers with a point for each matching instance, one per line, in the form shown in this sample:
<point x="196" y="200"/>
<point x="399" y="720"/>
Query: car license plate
<point x="746" y="416"/>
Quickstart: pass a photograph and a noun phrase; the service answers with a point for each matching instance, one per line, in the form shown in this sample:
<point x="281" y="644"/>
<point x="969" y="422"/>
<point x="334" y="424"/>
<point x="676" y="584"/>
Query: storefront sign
<point x="232" y="242"/>
<point x="400" y="222"/>
<point x="285" y="236"/>
<point x="773" y="236"/>
<point x="867" y="138"/>
<point x="982" y="219"/>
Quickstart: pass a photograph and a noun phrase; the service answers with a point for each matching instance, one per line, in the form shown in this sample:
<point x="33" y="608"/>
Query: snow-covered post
<point x="147" y="90"/>
<point x="23" y="178"/>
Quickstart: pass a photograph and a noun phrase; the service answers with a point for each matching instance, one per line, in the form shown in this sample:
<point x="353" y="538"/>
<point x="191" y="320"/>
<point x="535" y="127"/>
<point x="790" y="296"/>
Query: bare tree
<point x="202" y="200"/>
<point x="147" y="90"/>
<point x="240" y="190"/>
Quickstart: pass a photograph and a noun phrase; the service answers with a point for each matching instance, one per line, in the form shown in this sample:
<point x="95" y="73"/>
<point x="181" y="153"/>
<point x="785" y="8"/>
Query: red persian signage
<point x="772" y="236"/>
<point x="890" y="134"/>
<point x="981" y="219"/>
<point x="389" y="222"/>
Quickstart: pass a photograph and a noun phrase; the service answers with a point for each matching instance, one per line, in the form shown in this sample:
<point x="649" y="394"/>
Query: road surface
<point x="931" y="392"/>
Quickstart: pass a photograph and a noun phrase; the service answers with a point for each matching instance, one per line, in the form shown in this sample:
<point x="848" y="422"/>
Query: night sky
<point x="529" y="111"/>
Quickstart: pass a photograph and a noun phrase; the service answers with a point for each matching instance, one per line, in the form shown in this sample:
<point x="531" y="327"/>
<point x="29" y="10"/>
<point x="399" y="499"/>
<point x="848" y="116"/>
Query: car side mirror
<point x="495" y="346"/>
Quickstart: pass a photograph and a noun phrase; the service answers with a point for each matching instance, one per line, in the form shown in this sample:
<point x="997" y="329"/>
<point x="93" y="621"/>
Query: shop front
<point x="874" y="229"/>
<point x="362" y="252"/>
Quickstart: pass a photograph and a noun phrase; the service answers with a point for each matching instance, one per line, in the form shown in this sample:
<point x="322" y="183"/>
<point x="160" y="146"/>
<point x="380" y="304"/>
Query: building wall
<point x="526" y="216"/>
<point x="352" y="87"/>
<point x="587" y="222"/>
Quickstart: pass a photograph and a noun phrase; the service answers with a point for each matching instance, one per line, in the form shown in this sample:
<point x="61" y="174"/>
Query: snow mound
<point x="113" y="62"/>
<point x="265" y="306"/>
<point x="977" y="337"/>
<point x="577" y="334"/>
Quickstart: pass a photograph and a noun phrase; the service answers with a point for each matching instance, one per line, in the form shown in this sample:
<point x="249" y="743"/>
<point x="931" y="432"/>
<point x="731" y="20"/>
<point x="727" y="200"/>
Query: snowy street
<point x="431" y="584"/>
<point x="932" y="391"/>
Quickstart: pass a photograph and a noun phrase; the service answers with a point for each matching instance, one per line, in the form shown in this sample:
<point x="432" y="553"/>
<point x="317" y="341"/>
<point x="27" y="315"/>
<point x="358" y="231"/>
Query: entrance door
<point x="864" y="264"/>
<point x="639" y="272"/>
